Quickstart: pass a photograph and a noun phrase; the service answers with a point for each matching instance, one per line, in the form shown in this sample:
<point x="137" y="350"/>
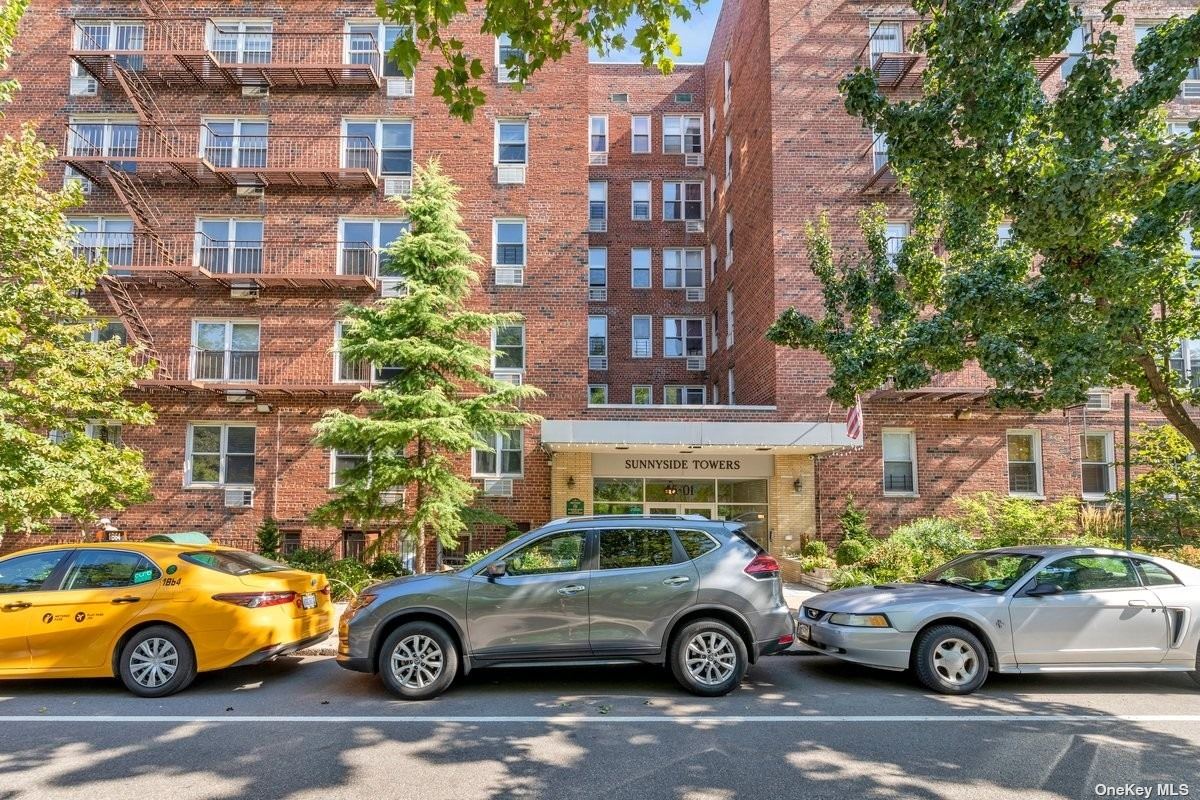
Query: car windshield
<point x="233" y="562"/>
<point x="984" y="572"/>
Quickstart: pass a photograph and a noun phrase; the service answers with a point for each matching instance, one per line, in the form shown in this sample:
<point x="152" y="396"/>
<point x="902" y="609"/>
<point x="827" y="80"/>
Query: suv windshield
<point x="984" y="572"/>
<point x="233" y="562"/>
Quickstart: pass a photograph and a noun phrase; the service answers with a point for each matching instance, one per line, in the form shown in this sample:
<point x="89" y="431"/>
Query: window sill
<point x="903" y="495"/>
<point x="1026" y="496"/>
<point x="203" y="487"/>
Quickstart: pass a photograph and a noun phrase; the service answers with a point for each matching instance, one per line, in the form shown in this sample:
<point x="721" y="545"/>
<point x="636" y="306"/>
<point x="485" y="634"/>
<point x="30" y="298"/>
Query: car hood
<point x="410" y="583"/>
<point x="867" y="599"/>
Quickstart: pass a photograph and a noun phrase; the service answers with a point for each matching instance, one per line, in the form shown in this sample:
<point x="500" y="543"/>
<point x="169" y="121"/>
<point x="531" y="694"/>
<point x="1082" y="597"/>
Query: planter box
<point x="818" y="579"/>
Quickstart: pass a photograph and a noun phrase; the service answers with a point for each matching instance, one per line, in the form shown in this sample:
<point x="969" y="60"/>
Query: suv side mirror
<point x="497" y="569"/>
<point x="1043" y="589"/>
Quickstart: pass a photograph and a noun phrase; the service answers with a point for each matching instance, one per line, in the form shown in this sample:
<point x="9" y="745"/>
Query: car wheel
<point x="950" y="660"/>
<point x="1195" y="674"/>
<point x="708" y="658"/>
<point x="419" y="660"/>
<point x="157" y="661"/>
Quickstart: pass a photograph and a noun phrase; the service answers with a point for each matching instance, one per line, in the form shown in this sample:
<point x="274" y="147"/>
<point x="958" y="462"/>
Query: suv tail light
<point x="256" y="599"/>
<point x="763" y="566"/>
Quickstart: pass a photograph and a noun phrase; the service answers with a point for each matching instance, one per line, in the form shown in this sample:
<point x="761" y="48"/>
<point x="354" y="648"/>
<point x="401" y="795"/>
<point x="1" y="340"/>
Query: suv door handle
<point x="1139" y="604"/>
<point x="677" y="580"/>
<point x="127" y="599"/>
<point x="17" y="606"/>
<point x="574" y="588"/>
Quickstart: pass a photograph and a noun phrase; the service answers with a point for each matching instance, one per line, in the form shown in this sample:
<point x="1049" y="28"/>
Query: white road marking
<point x="575" y="719"/>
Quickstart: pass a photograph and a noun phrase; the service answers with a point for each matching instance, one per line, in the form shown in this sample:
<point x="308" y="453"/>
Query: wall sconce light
<point x="964" y="414"/>
<point x="670" y="490"/>
<point x="570" y="481"/>
<point x="797" y="486"/>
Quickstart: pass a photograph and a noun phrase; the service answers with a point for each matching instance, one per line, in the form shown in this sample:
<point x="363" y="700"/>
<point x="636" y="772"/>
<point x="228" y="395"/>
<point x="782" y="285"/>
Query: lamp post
<point x="1128" y="496"/>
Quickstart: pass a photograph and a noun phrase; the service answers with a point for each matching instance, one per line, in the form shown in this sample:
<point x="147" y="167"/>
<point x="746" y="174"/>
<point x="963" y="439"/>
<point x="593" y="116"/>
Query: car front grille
<point x="813" y="613"/>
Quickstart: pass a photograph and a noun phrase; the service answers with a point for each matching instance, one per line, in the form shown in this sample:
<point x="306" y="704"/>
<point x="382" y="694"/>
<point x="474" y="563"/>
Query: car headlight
<point x="860" y="620"/>
<point x="359" y="603"/>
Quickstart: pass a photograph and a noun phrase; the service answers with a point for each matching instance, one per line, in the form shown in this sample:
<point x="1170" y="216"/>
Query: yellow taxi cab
<point x="152" y="614"/>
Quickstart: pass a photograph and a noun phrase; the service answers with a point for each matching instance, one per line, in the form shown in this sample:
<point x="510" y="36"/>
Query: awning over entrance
<point x="774" y="437"/>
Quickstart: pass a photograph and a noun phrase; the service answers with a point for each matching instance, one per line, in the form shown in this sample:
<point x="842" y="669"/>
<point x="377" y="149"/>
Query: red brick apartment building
<point x="238" y="161"/>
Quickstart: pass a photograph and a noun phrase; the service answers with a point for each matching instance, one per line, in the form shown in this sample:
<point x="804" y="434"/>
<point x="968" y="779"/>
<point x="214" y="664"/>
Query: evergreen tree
<point x="854" y="523"/>
<point x="439" y="399"/>
<point x="268" y="539"/>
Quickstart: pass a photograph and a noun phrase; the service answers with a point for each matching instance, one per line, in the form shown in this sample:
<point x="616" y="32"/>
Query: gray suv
<point x="697" y="595"/>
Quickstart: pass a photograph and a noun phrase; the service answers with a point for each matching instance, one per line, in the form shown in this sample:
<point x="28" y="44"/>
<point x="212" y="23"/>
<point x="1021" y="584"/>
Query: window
<point x="1191" y="82"/>
<point x="683" y="395"/>
<point x="1096" y="458"/>
<point x="628" y="548"/>
<point x="125" y="39"/>
<point x="879" y="151"/>
<point x="597" y="336"/>
<point x="642" y="326"/>
<point x="886" y="37"/>
<point x="639" y="267"/>
<point x="382" y="147"/>
<point x="354" y="544"/>
<point x="683" y="269"/>
<point x="234" y="143"/>
<point x="363" y="249"/>
<point x="558" y="552"/>
<point x="344" y="369"/>
<point x="229" y="245"/>
<point x="342" y="464"/>
<point x="598" y="268"/>
<point x="1191" y="244"/>
<point x="219" y="454"/>
<point x="1185" y="363"/>
<point x="728" y="318"/>
<point x="728" y="159"/>
<point x="1004" y="234"/>
<point x="110" y="238"/>
<point x="507" y="57"/>
<point x="683" y="134"/>
<point x="1025" y="463"/>
<point x="639" y="141"/>
<point x="369" y="42"/>
<point x="597" y="134"/>
<point x="683" y="337"/>
<point x="502" y="455"/>
<point x="108" y="137"/>
<point x="240" y="41"/>
<point x="712" y="262"/>
<point x="712" y="190"/>
<point x="598" y="394"/>
<point x="512" y="141"/>
<point x="108" y="331"/>
<point x="1080" y="37"/>
<point x="1153" y="574"/>
<point x="643" y="395"/>
<point x="712" y="121"/>
<point x="29" y="573"/>
<point x="695" y="543"/>
<point x="895" y="233"/>
<point x="107" y="432"/>
<point x="1089" y="574"/>
<point x="728" y="239"/>
<point x="508" y="347"/>
<point x="899" y="462"/>
<point x="109" y="569"/>
<point x="683" y="200"/>
<point x="509" y="248"/>
<point x="640" y="200"/>
<point x="290" y="542"/>
<point x="597" y="205"/>
<point x="730" y="388"/>
<point x="224" y="350"/>
<point x="728" y="84"/>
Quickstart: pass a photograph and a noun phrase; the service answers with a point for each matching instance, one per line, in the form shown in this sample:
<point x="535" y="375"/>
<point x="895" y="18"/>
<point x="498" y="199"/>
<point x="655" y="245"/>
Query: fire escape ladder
<point x="136" y="199"/>
<point x="118" y="297"/>
<point x="140" y="95"/>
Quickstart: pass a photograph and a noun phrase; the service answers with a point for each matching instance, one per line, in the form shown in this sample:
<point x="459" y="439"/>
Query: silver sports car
<point x="1018" y="609"/>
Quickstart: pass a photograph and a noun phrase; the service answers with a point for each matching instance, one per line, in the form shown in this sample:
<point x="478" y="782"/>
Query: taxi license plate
<point x="308" y="601"/>
<point x="804" y="631"/>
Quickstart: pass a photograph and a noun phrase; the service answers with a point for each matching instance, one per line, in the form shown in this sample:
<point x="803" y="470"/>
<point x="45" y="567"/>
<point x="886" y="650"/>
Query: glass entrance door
<point x="706" y="510"/>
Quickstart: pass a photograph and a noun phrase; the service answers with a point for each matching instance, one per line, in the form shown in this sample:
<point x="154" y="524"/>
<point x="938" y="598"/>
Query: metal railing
<point x="232" y="366"/>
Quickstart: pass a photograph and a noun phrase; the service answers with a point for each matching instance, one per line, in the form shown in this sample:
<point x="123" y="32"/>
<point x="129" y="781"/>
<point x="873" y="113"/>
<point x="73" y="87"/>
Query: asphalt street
<point x="801" y="727"/>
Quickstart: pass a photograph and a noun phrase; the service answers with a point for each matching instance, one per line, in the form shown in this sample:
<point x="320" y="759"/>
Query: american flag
<point x="854" y="419"/>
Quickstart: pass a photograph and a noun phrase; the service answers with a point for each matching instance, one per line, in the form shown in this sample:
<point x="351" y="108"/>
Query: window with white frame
<point x="240" y="41"/>
<point x="1179" y="128"/>
<point x="1191" y="244"/>
<point x="125" y="39"/>
<point x="714" y="329"/>
<point x="503" y="456"/>
<point x="728" y="239"/>
<point x="229" y="245"/>
<point x="508" y="348"/>
<point x="642" y="395"/>
<point x="225" y="350"/>
<point x="886" y="37"/>
<point x="597" y="134"/>
<point x="899" y="461"/>
<point x="642" y="326"/>
<point x="712" y="121"/>
<point x="598" y="268"/>
<point x="512" y="142"/>
<point x="597" y="205"/>
<point x="712" y="264"/>
<point x="683" y="200"/>
<point x="508" y="248"/>
<point x="597" y="336"/>
<point x="683" y="133"/>
<point x="107" y="432"/>
<point x="730" y="388"/>
<point x="1024" y="463"/>
<point x="107" y="330"/>
<point x="219" y="454"/>
<point x="363" y="246"/>
<point x="639" y="134"/>
<point x="381" y="146"/>
<point x="369" y="42"/>
<point x="234" y="143"/>
<point x="879" y="151"/>
<point x="341" y="464"/>
<point x="597" y="394"/>
<point x="728" y="84"/>
<point x="639" y="267"/>
<point x="683" y="337"/>
<point x="729" y="317"/>
<point x="716" y="393"/>
<point x="106" y="136"/>
<point x="1004" y="234"/>
<point x="712" y="190"/>
<point x="639" y="195"/>
<point x="683" y="395"/>
<point x="110" y="238"/>
<point x="1191" y="82"/>
<point x="346" y="370"/>
<point x="728" y="159"/>
<point x="683" y="268"/>
<point x="1076" y="47"/>
<point x="895" y="235"/>
<point x="1097" y="464"/>
<point x="507" y="58"/>
<point x="1185" y="363"/>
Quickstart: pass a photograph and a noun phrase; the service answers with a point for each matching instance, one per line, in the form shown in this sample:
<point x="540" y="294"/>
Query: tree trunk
<point x="419" y="558"/>
<point x="1171" y="407"/>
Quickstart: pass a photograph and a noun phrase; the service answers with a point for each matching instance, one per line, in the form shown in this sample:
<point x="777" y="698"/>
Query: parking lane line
<point x="574" y="719"/>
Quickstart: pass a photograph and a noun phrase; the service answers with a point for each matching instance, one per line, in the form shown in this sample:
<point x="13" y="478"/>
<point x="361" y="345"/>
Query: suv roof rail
<point x="589" y="517"/>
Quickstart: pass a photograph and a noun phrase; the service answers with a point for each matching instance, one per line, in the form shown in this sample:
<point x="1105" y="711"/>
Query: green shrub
<point x="815" y="549"/>
<point x="997" y="521"/>
<point x="933" y="541"/>
<point x="814" y="563"/>
<point x="850" y="551"/>
<point x="348" y="577"/>
<point x="268" y="539"/>
<point x="474" y="557"/>
<point x="854" y="524"/>
<point x="387" y="565"/>
<point x="311" y="559"/>
<point x="848" y="577"/>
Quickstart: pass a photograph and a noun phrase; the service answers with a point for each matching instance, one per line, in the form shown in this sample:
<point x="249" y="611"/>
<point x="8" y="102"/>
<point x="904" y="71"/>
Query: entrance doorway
<point x="706" y="510"/>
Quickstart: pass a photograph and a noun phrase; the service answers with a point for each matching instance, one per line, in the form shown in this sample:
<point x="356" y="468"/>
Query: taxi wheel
<point x="418" y="661"/>
<point x="157" y="661"/>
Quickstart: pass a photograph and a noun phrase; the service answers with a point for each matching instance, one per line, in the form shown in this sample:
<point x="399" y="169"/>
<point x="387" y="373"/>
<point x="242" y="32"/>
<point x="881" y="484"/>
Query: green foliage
<point x="854" y="524"/>
<point x="268" y="538"/>
<point x="1165" y="491"/>
<point x="387" y="565"/>
<point x="814" y="563"/>
<point x="441" y="397"/>
<point x="850" y="551"/>
<point x="545" y="32"/>
<point x="10" y="18"/>
<point x="1001" y="521"/>
<point x="849" y="577"/>
<point x="1095" y="287"/>
<point x="311" y="559"/>
<point x="816" y="549"/>
<point x="347" y="577"/>
<point x="474" y="557"/>
<point x="937" y="539"/>
<point x="1188" y="554"/>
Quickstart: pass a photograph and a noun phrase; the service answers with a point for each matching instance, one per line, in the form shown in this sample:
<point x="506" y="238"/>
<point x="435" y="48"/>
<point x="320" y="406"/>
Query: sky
<point x="694" y="35"/>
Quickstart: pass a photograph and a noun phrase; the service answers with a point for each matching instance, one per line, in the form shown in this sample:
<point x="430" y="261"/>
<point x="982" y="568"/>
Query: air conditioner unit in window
<point x="239" y="498"/>
<point x="1099" y="401"/>
<point x="392" y="287"/>
<point x="510" y="173"/>
<point x="597" y="159"/>
<point x="597" y="362"/>
<point x="695" y="363"/>
<point x="695" y="226"/>
<point x="397" y="186"/>
<point x="1191" y="90"/>
<point x="243" y="293"/>
<point x="498" y="487"/>
<point x="515" y="378"/>
<point x="598" y="294"/>
<point x="400" y="87"/>
<point x="392" y="497"/>
<point x="597" y="225"/>
<point x="84" y="86"/>
<point x="251" y="191"/>
<point x="256" y="91"/>
<point x="694" y="295"/>
<point x="510" y="276"/>
<point x="693" y="160"/>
